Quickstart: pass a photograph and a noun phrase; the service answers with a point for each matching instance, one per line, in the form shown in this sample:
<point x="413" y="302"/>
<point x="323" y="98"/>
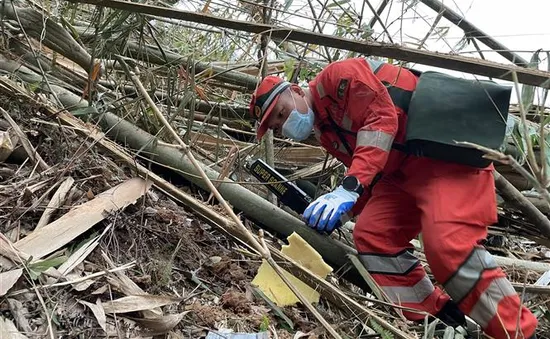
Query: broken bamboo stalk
<point x="448" y="61"/>
<point x="260" y="247"/>
<point x="81" y="218"/>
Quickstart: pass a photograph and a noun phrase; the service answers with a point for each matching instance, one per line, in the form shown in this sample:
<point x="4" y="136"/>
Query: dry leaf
<point x="101" y="290"/>
<point x="138" y="303"/>
<point x="8" y="279"/>
<point x="98" y="311"/>
<point x="6" y="145"/>
<point x="90" y="194"/>
<point x="9" y="331"/>
<point x="80" y="286"/>
<point x="161" y="325"/>
<point x="78" y="256"/>
<point x="81" y="218"/>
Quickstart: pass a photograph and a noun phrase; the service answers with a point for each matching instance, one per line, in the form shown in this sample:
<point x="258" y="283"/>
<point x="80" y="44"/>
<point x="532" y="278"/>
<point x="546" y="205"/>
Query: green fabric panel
<point x="445" y="109"/>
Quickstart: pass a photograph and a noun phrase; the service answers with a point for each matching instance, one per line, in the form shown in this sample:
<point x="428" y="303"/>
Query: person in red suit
<point x="397" y="195"/>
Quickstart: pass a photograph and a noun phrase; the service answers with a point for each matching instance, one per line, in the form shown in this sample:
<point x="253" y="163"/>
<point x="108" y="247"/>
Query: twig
<point x="76" y="281"/>
<point x="33" y="154"/>
<point x="252" y="240"/>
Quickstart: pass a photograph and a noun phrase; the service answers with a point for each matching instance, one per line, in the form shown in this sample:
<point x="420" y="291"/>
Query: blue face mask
<point x="298" y="125"/>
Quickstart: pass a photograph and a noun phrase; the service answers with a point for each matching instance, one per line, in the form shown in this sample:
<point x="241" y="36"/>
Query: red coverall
<point x="451" y="204"/>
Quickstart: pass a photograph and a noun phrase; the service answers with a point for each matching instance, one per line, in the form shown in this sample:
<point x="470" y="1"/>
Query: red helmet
<point x="264" y="99"/>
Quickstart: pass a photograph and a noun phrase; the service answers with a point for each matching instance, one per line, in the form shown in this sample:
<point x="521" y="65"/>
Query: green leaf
<point x="385" y="334"/>
<point x="36" y="269"/>
<point x="338" y="3"/>
<point x="264" y="325"/>
<point x="33" y="86"/>
<point x="288" y="67"/>
<point x="276" y="309"/>
<point x="288" y="3"/>
<point x="84" y="111"/>
<point x="528" y="92"/>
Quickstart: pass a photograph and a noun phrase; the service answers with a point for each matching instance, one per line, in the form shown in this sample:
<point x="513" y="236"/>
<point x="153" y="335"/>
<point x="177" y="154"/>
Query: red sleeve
<point x="370" y="106"/>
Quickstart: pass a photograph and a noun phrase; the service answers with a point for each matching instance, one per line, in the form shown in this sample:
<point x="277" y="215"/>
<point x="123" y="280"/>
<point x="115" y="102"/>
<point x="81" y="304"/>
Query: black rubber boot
<point x="451" y="315"/>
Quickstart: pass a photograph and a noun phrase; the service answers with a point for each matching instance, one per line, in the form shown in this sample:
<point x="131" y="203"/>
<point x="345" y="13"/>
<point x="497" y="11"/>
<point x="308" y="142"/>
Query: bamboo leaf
<point x="431" y="330"/>
<point x="338" y="3"/>
<point x="528" y="92"/>
<point x="288" y="3"/>
<point x="138" y="303"/>
<point x="276" y="309"/>
<point x="99" y="313"/>
<point x="8" y="279"/>
<point x="83" y="111"/>
<point x="36" y="268"/>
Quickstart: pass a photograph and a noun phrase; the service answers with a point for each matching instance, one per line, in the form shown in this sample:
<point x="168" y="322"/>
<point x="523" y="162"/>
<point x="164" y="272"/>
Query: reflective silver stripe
<point x="280" y="87"/>
<point x="320" y="90"/>
<point x="347" y="123"/>
<point x="374" y="64"/>
<point x="410" y="294"/>
<point x="399" y="264"/>
<point x="487" y="305"/>
<point x="377" y="139"/>
<point x="459" y="285"/>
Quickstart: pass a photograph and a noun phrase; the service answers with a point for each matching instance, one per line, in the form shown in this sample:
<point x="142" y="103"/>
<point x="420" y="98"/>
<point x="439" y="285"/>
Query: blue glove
<point x="325" y="212"/>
